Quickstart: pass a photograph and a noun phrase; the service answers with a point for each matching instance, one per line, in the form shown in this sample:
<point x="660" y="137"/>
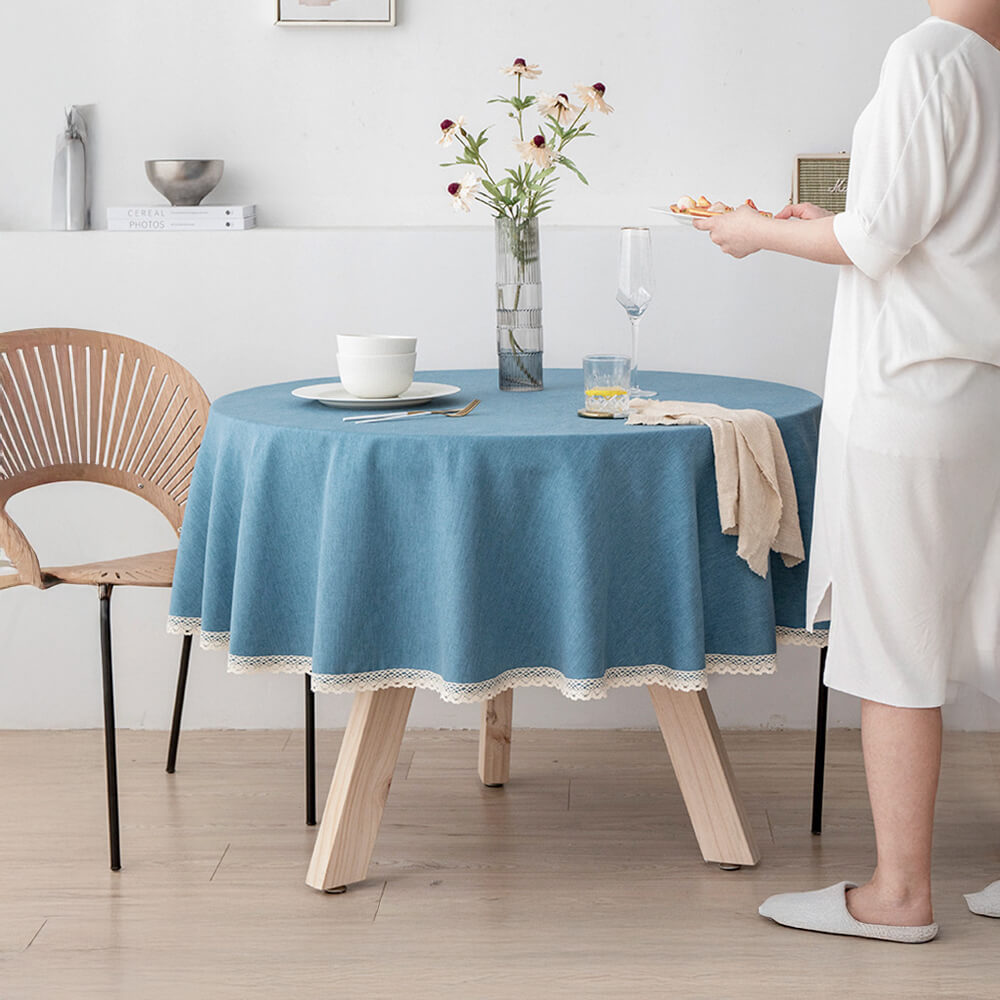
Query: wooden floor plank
<point x="582" y="873"/>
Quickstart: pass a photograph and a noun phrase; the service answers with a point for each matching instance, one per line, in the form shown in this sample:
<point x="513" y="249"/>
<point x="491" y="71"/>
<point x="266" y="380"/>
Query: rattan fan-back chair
<point x="78" y="405"/>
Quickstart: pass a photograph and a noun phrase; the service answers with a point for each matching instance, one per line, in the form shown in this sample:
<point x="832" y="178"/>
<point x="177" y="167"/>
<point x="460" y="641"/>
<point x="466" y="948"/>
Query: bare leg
<point x="902" y="748"/>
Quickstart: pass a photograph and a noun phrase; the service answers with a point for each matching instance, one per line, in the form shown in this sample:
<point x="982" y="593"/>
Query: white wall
<point x="335" y="128"/>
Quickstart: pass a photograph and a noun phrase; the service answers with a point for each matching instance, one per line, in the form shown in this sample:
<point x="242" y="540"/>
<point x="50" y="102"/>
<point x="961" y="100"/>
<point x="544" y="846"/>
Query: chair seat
<point x="154" y="569"/>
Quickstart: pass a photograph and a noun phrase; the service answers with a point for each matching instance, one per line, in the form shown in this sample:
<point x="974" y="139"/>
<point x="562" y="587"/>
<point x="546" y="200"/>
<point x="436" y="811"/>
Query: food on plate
<point x="704" y="209"/>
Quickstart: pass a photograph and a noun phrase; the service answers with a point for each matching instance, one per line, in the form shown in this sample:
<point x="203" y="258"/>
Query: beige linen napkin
<point x="757" y="498"/>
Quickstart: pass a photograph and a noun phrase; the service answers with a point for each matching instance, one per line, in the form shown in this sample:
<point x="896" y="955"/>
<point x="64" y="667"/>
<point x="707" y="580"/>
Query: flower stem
<point x="568" y="137"/>
<point x="480" y="162"/>
<point x="520" y="112"/>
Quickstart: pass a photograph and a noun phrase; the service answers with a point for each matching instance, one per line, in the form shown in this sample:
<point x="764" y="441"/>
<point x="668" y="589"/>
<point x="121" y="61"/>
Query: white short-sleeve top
<point x="906" y="537"/>
<point x="922" y="224"/>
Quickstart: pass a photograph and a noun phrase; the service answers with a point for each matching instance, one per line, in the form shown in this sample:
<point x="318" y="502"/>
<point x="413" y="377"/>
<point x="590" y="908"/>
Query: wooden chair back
<point x="79" y="405"/>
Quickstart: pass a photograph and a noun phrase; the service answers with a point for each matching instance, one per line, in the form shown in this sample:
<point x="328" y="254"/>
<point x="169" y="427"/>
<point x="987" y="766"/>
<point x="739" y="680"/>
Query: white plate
<point x="677" y="216"/>
<point x="334" y="394"/>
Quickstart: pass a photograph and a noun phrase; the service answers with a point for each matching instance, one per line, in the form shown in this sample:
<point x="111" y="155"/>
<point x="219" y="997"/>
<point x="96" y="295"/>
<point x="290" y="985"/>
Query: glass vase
<point x="519" y="305"/>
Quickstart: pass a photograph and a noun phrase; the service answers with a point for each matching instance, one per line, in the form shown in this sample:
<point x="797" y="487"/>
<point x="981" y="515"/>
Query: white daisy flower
<point x="521" y="68"/>
<point x="463" y="191"/>
<point x="558" y="107"/>
<point x="593" y="97"/>
<point x="536" y="151"/>
<point x="448" y="130"/>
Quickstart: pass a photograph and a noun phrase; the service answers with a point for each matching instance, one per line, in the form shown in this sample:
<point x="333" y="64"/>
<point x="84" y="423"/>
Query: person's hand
<point x="736" y="233"/>
<point x="804" y="210"/>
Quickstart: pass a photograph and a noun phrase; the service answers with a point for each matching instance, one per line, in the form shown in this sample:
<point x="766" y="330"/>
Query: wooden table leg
<point x="494" y="739"/>
<point x="705" y="776"/>
<point x="360" y="786"/>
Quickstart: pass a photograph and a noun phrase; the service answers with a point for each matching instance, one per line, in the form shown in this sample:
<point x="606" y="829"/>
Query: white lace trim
<point x="182" y="626"/>
<point x="801" y="636"/>
<point x="575" y="688"/>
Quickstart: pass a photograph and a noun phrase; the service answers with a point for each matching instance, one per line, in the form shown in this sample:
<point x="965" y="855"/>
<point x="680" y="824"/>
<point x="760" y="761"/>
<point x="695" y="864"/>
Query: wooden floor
<point x="580" y="878"/>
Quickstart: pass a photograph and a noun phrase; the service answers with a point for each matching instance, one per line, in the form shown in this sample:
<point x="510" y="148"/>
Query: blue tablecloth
<point x="521" y="545"/>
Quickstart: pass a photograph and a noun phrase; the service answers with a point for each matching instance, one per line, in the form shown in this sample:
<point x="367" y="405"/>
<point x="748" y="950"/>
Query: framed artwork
<point x="360" y="13"/>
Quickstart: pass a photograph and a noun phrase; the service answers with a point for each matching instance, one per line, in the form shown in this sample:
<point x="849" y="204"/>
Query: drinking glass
<point x="605" y="383"/>
<point x="635" y="287"/>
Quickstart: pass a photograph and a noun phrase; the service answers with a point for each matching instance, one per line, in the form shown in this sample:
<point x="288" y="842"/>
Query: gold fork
<point x="463" y="412"/>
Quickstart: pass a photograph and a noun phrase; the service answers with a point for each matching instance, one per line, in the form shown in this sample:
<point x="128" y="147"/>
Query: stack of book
<point x="174" y="218"/>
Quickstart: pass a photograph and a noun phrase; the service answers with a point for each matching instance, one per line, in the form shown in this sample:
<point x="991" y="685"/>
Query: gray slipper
<point x="826" y="910"/>
<point x="987" y="902"/>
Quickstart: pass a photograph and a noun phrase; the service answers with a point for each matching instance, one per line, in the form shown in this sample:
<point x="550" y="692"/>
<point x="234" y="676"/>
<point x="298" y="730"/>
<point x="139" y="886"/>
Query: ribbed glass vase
<point x="519" y="305"/>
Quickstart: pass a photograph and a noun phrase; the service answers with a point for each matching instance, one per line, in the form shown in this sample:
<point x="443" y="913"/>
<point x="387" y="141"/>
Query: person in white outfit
<point x="905" y="559"/>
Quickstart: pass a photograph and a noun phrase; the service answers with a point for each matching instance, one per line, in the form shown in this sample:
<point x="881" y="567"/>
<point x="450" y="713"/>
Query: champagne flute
<point x="635" y="287"/>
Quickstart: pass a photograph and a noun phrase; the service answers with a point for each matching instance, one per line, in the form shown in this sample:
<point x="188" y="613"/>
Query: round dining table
<point x="520" y="545"/>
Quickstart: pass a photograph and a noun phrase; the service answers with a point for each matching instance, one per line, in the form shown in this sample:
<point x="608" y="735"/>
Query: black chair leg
<point x="819" y="764"/>
<point x="110" y="750"/>
<point x="310" y="730"/>
<point x="175" y="725"/>
<point x="310" y="753"/>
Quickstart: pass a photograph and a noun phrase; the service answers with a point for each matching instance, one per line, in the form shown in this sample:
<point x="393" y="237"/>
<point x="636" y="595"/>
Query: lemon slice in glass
<point x="607" y="392"/>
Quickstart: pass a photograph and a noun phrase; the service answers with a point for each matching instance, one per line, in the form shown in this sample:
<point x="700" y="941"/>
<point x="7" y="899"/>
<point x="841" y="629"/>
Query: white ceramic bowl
<point x="376" y="376"/>
<point x="361" y="344"/>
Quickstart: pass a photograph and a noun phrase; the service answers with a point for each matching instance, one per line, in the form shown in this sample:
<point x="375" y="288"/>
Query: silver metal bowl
<point x="184" y="182"/>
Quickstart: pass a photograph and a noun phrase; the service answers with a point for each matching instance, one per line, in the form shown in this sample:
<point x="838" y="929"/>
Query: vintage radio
<point x="822" y="180"/>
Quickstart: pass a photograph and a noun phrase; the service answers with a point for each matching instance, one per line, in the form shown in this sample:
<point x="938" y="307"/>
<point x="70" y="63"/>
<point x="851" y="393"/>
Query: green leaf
<point x="521" y="103"/>
<point x="543" y="177"/>
<point x="570" y="165"/>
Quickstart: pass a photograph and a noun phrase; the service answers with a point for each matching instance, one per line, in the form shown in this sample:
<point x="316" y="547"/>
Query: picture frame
<point x="336" y="13"/>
